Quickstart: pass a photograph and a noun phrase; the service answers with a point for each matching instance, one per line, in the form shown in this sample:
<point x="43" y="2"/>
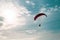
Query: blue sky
<point x="24" y="27"/>
<point x="53" y="22"/>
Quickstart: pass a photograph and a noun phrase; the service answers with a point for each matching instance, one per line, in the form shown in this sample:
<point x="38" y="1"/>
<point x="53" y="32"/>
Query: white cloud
<point x="10" y="9"/>
<point x="33" y="3"/>
<point x="31" y="31"/>
<point x="48" y="10"/>
<point x="43" y="35"/>
<point x="30" y="2"/>
<point x="17" y="35"/>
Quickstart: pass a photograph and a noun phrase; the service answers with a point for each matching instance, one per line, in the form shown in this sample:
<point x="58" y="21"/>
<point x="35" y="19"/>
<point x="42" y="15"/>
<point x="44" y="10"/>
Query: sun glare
<point x="10" y="14"/>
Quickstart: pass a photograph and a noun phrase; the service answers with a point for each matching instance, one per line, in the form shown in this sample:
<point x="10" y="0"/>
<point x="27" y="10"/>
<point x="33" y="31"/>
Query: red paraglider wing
<point x="40" y="14"/>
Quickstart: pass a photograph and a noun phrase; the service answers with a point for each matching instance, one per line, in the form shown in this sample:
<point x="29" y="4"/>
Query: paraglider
<point x="38" y="15"/>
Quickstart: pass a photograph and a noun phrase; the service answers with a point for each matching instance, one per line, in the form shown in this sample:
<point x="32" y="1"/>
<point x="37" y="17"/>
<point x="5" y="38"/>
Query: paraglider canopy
<point x="38" y="15"/>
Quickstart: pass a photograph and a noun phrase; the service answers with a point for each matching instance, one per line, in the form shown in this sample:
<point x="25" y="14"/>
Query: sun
<point x="10" y="16"/>
<point x="10" y="13"/>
